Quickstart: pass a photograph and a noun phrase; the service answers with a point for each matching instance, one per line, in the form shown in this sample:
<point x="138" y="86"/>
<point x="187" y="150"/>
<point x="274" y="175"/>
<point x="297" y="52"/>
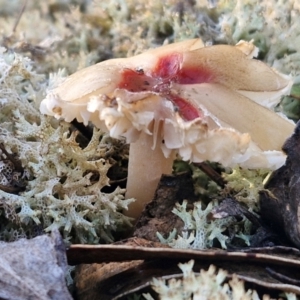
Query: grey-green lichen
<point x="74" y="34"/>
<point x="63" y="180"/>
<point x="290" y="105"/>
<point x="245" y="185"/>
<point x="200" y="231"/>
<point x="90" y="31"/>
<point x="210" y="284"/>
<point x="273" y="25"/>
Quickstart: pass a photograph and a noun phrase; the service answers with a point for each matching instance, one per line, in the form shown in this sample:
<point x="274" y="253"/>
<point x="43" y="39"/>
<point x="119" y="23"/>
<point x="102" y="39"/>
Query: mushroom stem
<point x="146" y="165"/>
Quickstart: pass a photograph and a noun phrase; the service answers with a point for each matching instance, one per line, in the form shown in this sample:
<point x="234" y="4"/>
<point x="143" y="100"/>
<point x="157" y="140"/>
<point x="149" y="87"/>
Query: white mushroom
<point x="204" y="103"/>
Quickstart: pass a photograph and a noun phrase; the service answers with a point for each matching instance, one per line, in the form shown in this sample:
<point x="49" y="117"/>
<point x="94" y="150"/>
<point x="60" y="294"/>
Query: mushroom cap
<point x="208" y="103"/>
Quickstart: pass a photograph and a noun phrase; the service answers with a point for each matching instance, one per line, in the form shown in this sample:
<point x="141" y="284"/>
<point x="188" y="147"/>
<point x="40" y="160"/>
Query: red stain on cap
<point x="167" y="70"/>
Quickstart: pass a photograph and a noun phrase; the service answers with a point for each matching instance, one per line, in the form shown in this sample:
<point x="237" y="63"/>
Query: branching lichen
<point x="210" y="284"/>
<point x="198" y="231"/>
<point x="245" y="184"/>
<point x="64" y="180"/>
<point x="273" y="25"/>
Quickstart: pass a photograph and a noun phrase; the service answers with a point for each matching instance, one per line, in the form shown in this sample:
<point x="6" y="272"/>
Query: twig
<point x="211" y="173"/>
<point x="19" y="16"/>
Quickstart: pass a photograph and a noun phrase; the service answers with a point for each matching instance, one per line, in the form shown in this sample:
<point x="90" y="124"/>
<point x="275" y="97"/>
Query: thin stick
<point x="19" y="16"/>
<point x="211" y="173"/>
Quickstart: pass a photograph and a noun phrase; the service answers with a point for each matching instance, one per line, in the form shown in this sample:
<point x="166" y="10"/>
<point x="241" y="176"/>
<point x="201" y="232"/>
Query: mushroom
<point x="201" y="103"/>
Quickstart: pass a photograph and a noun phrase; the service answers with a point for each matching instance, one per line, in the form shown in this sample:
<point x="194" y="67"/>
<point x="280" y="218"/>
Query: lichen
<point x="63" y="179"/>
<point x="210" y="284"/>
<point x="198" y="231"/>
<point x="245" y="185"/>
<point x="273" y="25"/>
<point x="88" y="31"/>
<point x="139" y="25"/>
<point x="73" y="34"/>
<point x="290" y="105"/>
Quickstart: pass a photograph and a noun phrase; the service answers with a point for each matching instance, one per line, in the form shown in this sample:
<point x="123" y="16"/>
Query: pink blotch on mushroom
<point x="168" y="70"/>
